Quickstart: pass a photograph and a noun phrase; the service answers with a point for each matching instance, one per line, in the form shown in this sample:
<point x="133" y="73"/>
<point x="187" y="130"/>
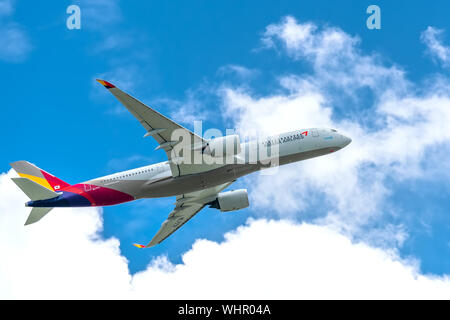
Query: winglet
<point x="140" y="246"/>
<point x="106" y="84"/>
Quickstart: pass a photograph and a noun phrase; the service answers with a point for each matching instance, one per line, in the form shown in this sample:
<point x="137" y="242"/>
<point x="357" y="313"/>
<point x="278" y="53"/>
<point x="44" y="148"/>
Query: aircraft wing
<point x="162" y="129"/>
<point x="186" y="206"/>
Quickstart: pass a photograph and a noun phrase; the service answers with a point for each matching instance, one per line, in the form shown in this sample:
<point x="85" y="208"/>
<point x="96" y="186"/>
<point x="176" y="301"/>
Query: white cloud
<point x="333" y="54"/>
<point x="63" y="257"/>
<point x="392" y="136"/>
<point x="432" y="39"/>
<point x="281" y="260"/>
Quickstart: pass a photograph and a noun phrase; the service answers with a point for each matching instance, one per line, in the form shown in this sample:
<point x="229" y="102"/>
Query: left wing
<point x="186" y="206"/>
<point x="165" y="131"/>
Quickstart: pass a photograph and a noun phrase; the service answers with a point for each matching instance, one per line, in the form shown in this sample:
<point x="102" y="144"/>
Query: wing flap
<point x="174" y="222"/>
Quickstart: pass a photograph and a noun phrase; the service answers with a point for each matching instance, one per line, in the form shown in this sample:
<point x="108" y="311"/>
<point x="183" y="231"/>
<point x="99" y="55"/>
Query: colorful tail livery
<point x="45" y="179"/>
<point x="106" y="84"/>
<point x="38" y="185"/>
<point x="47" y="191"/>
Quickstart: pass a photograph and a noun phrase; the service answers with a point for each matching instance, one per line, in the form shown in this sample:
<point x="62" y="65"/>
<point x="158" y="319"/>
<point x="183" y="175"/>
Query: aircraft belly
<point x="130" y="187"/>
<point x="173" y="186"/>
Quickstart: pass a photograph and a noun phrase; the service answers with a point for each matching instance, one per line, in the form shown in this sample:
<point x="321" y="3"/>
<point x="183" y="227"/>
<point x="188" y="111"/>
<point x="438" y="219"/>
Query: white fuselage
<point x="156" y="180"/>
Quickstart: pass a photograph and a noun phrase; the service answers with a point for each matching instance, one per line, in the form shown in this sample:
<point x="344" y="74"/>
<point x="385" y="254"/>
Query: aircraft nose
<point x="345" y="141"/>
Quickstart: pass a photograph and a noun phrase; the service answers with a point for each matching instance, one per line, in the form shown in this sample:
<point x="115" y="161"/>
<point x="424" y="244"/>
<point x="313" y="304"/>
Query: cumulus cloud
<point x="63" y="257"/>
<point x="282" y="260"/>
<point x="353" y="185"/>
<point x="334" y="55"/>
<point x="432" y="37"/>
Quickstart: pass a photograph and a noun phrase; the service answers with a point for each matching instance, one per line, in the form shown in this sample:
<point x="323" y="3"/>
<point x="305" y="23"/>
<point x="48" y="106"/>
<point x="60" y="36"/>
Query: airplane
<point x="195" y="184"/>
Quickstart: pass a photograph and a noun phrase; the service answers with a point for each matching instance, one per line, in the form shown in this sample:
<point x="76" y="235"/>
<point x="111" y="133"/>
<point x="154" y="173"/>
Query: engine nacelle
<point x="224" y="146"/>
<point x="231" y="200"/>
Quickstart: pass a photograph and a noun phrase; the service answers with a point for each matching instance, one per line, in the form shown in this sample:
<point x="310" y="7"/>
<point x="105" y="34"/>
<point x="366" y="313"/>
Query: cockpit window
<point x="333" y="130"/>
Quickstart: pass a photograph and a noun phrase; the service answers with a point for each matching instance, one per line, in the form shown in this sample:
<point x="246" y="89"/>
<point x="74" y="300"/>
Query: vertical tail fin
<point x="45" y="179"/>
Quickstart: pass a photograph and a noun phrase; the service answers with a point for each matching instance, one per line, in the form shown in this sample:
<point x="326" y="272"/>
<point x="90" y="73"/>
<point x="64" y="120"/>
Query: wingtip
<point x="16" y="163"/>
<point x="140" y="246"/>
<point x="106" y="84"/>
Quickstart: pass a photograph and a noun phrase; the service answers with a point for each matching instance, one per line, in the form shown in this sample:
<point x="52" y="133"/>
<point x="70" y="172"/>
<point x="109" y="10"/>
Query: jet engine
<point x="231" y="200"/>
<point x="223" y="146"/>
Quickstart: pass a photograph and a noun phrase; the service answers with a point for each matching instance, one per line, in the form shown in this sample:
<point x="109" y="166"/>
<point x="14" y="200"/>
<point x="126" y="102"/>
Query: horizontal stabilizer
<point x="45" y="179"/>
<point x="37" y="214"/>
<point x="33" y="190"/>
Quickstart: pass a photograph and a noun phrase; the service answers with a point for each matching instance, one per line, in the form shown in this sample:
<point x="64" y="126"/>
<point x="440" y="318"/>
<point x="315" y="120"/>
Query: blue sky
<point x="180" y="57"/>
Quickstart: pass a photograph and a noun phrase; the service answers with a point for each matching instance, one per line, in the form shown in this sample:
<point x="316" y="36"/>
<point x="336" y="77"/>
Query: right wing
<point x="186" y="206"/>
